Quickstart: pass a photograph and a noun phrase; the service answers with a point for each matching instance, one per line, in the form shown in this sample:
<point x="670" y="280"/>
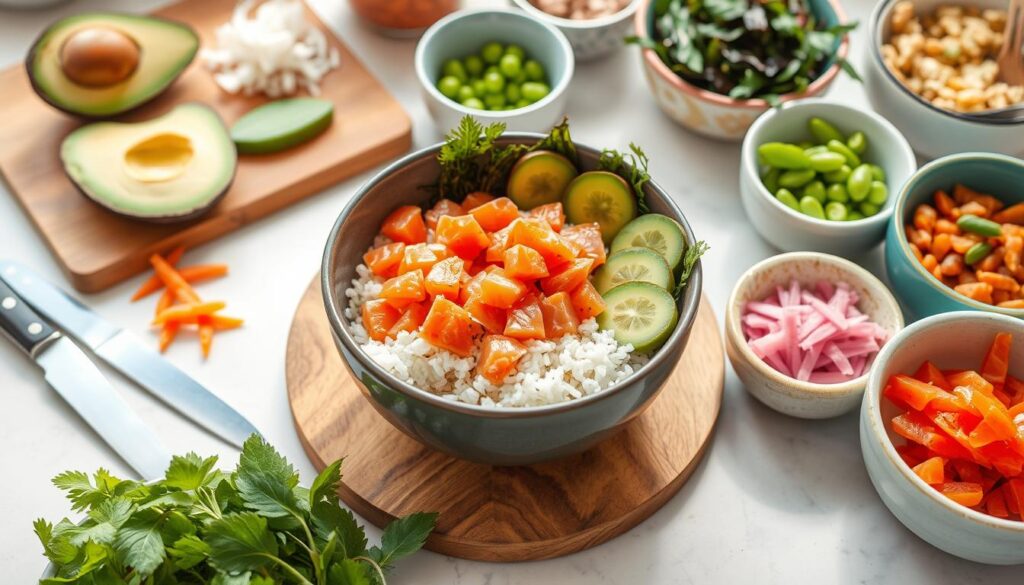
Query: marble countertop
<point x="776" y="500"/>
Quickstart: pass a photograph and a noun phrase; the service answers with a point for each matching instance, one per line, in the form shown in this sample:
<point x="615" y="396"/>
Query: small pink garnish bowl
<point x="712" y="114"/>
<point x="775" y="389"/>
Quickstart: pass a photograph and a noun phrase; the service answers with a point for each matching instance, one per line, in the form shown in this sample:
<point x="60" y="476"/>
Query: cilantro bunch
<point x="745" y="48"/>
<point x="197" y="525"/>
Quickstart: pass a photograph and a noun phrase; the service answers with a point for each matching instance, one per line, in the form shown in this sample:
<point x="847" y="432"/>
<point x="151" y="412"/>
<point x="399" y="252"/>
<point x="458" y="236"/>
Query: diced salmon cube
<point x="383" y="260"/>
<point x="499" y="356"/>
<point x="405" y="225"/>
<point x="378" y="318"/>
<point x="496" y="214"/>
<point x="553" y="248"/>
<point x="445" y="278"/>
<point x="421" y="257"/>
<point x="463" y="235"/>
<point x="498" y="290"/>
<point x="587" y="238"/>
<point x="442" y="207"/>
<point x="408" y="287"/>
<point x="551" y="213"/>
<point x="476" y="199"/>
<point x="411" y="319"/>
<point x="492" y="318"/>
<point x="568" y="278"/>
<point x="525" y="320"/>
<point x="449" y="326"/>
<point x="499" y="243"/>
<point x="559" y="315"/>
<point x="524" y="263"/>
<point x="587" y="301"/>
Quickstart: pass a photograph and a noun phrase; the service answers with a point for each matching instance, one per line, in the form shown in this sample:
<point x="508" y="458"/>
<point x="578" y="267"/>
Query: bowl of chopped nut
<point x="595" y="28"/>
<point x="932" y="68"/>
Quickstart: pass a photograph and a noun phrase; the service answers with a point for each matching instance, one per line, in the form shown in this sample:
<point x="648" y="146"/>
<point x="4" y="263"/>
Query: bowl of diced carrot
<point x="956" y="240"/>
<point x="942" y="433"/>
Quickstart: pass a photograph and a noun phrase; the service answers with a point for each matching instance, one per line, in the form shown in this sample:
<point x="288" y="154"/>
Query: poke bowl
<point x="551" y="396"/>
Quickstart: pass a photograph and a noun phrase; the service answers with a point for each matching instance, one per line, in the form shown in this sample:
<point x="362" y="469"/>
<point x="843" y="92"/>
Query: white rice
<point x="552" y="371"/>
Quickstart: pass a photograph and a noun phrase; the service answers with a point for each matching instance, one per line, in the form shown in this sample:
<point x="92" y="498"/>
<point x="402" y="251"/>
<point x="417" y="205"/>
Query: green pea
<point x="868" y="209"/>
<point x="835" y="211"/>
<point x="491" y="69"/>
<point x="474" y="103"/>
<point x="879" y="193"/>
<point x="977" y="252"/>
<point x="534" y="70"/>
<point x="520" y="79"/>
<point x="492" y="52"/>
<point x="474" y="65"/>
<point x="828" y="161"/>
<point x="837" y="192"/>
<point x="838" y="176"/>
<point x="516" y="51"/>
<point x="465" y="92"/>
<point x="877" y="173"/>
<point x="859" y="183"/>
<point x="522" y="103"/>
<point x="494" y="82"/>
<point x="822" y="131"/>
<point x="512" y="93"/>
<point x="533" y="91"/>
<point x="857" y="142"/>
<point x="796" y="178"/>
<point x="813" y="150"/>
<point x="479" y="87"/>
<point x="788" y="199"/>
<point x="510" y="65"/>
<point x="851" y="157"/>
<point x="854" y="215"/>
<point x="812" y="207"/>
<point x="815" y="189"/>
<point x="454" y="68"/>
<point x="495" y="101"/>
<point x="449" y="86"/>
<point x="979" y="225"/>
<point x="771" y="179"/>
<point x="784" y="156"/>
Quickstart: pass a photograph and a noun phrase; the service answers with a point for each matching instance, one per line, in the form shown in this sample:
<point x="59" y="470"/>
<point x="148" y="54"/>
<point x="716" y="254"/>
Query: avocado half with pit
<point x="101" y="64"/>
<point x="171" y="168"/>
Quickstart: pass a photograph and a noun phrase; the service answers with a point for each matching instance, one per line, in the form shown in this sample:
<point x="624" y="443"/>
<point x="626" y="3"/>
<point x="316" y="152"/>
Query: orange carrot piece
<point x="173" y="280"/>
<point x="944" y="203"/>
<point x="1012" y="214"/>
<point x="996" y="364"/>
<point x="167" y="334"/>
<point x="205" y="335"/>
<point x="165" y="301"/>
<point x="184" y="311"/>
<point x="978" y="291"/>
<point x="932" y="471"/>
<point x="961" y="492"/>
<point x="219" y="322"/>
<point x="191" y="274"/>
<point x="153" y="283"/>
<point x="995" y="504"/>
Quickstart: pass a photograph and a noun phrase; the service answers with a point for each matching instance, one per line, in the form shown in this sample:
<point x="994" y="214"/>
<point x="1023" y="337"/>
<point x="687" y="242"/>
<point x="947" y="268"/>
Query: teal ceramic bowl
<point x="920" y="293"/>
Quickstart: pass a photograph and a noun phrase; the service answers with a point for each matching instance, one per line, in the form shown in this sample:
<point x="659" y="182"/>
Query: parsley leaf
<point x="631" y="166"/>
<point x="138" y="543"/>
<point x="189" y="551"/>
<point x="265" y="480"/>
<point x="189" y="472"/>
<point x="348" y="572"/>
<point x="690" y="258"/>
<point x="240" y="542"/>
<point x="326" y="484"/>
<point x="403" y="537"/>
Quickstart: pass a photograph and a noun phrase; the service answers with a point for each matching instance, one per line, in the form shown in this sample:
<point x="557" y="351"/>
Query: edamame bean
<point x="835" y="211"/>
<point x="771" y="179"/>
<point x="868" y="209"/>
<point x="494" y="83"/>
<point x="851" y="157"/>
<point x="784" y="156"/>
<point x="449" y="86"/>
<point x="859" y="183"/>
<point x="857" y="142"/>
<point x="978" y="225"/>
<point x="533" y="91"/>
<point x="815" y="189"/>
<point x="788" y="199"/>
<point x="812" y="207"/>
<point x="837" y="192"/>
<point x="515" y="50"/>
<point x="510" y="65"/>
<point x="827" y="161"/>
<point x="522" y="103"/>
<point x="796" y="178"/>
<point x="534" y="70"/>
<point x="812" y="150"/>
<point x="838" y="176"/>
<point x="479" y="87"/>
<point x="877" y="173"/>
<point x="854" y="215"/>
<point x="977" y="252"/>
<point x="492" y="53"/>
<point x="473" y="103"/>
<point x="878" y="194"/>
<point x="495" y="101"/>
<point x="822" y="131"/>
<point x="454" y="68"/>
<point x="474" y="66"/>
<point x="512" y="93"/>
<point x="465" y="92"/>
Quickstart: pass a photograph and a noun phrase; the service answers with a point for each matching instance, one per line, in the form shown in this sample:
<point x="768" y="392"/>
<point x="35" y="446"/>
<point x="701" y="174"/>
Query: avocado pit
<point x="158" y="158"/>
<point x="99" y="56"/>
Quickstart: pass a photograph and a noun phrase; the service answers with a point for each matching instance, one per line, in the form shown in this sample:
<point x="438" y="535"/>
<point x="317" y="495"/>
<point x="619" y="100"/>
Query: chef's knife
<point x="129" y="355"/>
<point x="77" y="379"/>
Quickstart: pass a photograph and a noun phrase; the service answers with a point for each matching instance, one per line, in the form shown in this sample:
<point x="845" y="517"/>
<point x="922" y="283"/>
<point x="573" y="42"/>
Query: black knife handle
<point x="17" y="319"/>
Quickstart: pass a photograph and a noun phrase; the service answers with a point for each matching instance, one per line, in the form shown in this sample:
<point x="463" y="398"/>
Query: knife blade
<point x="127" y="354"/>
<point x="70" y="372"/>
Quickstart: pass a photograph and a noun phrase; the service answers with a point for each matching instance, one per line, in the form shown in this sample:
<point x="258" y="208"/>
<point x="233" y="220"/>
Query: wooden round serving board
<point x="502" y="513"/>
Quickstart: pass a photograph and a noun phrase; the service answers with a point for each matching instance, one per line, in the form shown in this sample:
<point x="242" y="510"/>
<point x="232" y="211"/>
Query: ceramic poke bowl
<point x="463" y="33"/>
<point x="498" y="436"/>
<point x="790" y="230"/>
<point x="776" y="390"/>
<point x="921" y="293"/>
<point x="956" y="529"/>
<point x="593" y="38"/>
<point x="712" y="114"/>
<point x="931" y="130"/>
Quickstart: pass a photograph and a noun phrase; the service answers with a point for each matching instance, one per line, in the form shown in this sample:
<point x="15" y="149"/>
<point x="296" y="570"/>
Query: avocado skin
<point x="185" y="216"/>
<point x="279" y="138"/>
<point x="38" y="43"/>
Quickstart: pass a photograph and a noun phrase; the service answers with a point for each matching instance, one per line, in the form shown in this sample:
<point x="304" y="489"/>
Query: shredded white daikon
<point x="276" y="51"/>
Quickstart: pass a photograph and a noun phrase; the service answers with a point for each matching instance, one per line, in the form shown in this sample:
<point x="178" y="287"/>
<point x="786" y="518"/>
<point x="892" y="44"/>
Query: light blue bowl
<point x="920" y="293"/>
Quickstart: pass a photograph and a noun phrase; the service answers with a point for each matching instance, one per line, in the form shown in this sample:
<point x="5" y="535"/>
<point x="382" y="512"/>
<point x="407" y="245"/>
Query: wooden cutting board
<point x="98" y="249"/>
<point x="502" y="513"/>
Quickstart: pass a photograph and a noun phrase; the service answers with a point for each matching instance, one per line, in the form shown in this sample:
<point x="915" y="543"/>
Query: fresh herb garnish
<point x="199" y="526"/>
<point x="744" y="48"/>
<point x="631" y="166"/>
<point x="690" y="258"/>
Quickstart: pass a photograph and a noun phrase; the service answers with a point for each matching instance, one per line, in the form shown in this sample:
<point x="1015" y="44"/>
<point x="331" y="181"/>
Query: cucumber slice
<point x="658" y="233"/>
<point x="641" y="314"/>
<point x="602" y="197"/>
<point x="538" y="178"/>
<point x="633" y="265"/>
<point x="282" y="124"/>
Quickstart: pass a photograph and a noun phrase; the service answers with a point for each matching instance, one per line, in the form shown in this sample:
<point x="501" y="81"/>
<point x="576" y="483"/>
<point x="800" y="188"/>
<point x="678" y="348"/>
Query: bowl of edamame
<point x="819" y="175"/>
<point x="497" y="66"/>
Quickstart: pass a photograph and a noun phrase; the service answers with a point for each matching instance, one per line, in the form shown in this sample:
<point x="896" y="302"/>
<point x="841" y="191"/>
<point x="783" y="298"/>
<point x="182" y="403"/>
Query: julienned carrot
<point x="165" y="301"/>
<point x="218" y="321"/>
<point x="186" y="310"/>
<point x="173" y="280"/>
<point x="153" y="283"/>
<point x="205" y="334"/>
<point x="1012" y="214"/>
<point x="191" y="274"/>
<point x="167" y="334"/>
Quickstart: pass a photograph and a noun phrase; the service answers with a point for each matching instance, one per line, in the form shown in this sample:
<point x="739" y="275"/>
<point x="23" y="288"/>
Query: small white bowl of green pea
<point x="497" y="66"/>
<point x="819" y="175"/>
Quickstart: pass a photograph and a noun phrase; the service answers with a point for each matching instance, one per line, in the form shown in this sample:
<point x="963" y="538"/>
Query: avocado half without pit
<point x="102" y="64"/>
<point x="171" y="168"/>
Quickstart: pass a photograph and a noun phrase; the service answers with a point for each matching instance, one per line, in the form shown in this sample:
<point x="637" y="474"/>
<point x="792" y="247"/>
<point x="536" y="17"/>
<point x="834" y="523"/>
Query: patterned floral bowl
<point x="712" y="114"/>
<point x="590" y="39"/>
